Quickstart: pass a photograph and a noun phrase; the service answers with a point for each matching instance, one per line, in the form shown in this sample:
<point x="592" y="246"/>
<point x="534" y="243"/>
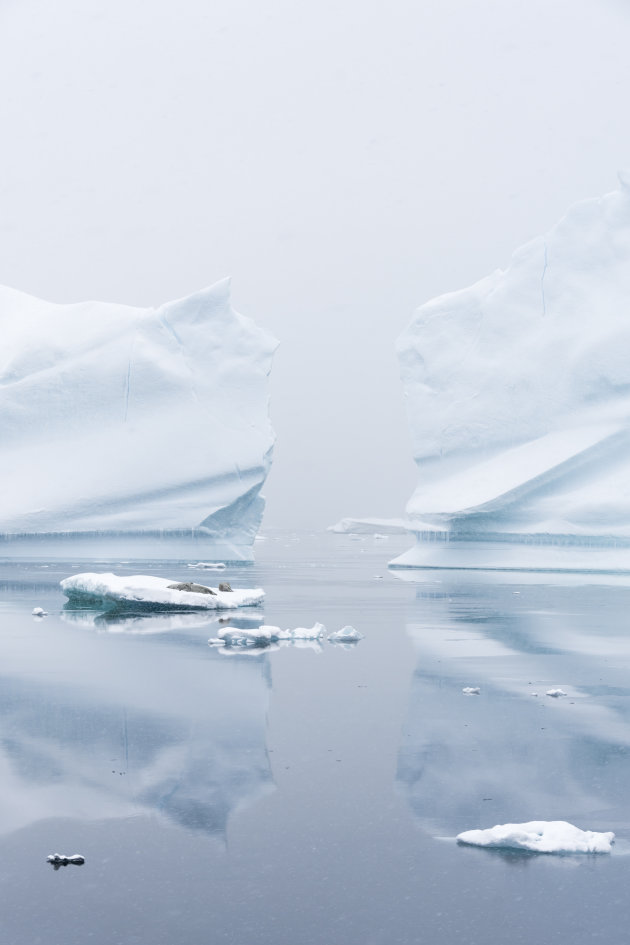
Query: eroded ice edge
<point x="144" y="591"/>
<point x="518" y="392"/>
<point x="133" y="431"/>
<point x="540" y="836"/>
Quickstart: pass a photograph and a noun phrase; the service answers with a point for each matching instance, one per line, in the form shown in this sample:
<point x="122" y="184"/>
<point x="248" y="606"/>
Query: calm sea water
<point x="307" y="797"/>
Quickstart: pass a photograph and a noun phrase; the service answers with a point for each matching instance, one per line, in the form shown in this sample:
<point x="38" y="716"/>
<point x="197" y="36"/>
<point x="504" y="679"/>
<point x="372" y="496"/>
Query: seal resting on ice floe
<point x="190" y="586"/>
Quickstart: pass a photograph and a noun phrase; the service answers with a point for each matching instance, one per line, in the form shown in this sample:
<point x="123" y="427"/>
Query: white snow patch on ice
<point x="147" y="591"/>
<point x="540" y="836"/>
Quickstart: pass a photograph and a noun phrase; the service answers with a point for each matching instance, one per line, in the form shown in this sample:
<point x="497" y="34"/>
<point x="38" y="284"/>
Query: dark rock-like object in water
<point x="56" y="860"/>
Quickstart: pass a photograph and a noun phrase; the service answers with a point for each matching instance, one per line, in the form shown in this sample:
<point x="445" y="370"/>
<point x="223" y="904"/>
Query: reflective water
<point x="306" y="796"/>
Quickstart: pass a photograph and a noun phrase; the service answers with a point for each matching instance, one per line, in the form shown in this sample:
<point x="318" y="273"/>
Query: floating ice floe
<point x="143" y="591"/>
<point x="209" y="565"/>
<point x="540" y="836"/>
<point x="265" y="635"/>
<point x="39" y="612"/>
<point x="345" y="635"/>
<point x="471" y="690"/>
<point x="554" y="693"/>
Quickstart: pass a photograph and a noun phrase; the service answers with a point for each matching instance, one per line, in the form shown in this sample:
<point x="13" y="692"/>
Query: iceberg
<point x="518" y="392"/>
<point x="146" y="592"/>
<point x="128" y="428"/>
<point x="540" y="836"/>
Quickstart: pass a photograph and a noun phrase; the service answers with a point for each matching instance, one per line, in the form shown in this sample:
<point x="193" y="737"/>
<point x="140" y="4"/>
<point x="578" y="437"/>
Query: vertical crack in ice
<point x="128" y="379"/>
<point x="542" y="283"/>
<point x="127" y="385"/>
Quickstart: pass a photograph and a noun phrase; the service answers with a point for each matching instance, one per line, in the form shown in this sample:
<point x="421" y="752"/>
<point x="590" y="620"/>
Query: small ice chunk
<point x="39" y="612"/>
<point x="540" y="836"/>
<point x="554" y="693"/>
<point x="309" y="633"/>
<point x="209" y="565"/>
<point x="345" y="635"/>
<point x="471" y="690"/>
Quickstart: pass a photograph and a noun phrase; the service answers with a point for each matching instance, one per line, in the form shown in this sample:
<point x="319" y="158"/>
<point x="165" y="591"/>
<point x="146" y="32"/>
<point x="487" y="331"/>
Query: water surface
<point x="305" y="796"/>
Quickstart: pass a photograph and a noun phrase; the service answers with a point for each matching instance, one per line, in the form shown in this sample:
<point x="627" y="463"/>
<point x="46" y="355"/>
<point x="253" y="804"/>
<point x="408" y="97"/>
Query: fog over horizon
<point x="343" y="163"/>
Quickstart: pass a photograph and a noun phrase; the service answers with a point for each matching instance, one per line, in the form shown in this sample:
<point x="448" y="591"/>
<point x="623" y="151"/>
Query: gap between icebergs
<point x="540" y="836"/>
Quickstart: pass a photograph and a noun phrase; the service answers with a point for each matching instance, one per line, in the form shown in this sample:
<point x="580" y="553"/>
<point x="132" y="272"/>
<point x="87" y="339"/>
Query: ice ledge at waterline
<point x="518" y="394"/>
<point x="126" y="428"/>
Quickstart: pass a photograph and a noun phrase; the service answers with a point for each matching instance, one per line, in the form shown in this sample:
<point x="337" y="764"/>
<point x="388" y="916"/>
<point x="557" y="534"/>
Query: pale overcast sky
<point x="343" y="162"/>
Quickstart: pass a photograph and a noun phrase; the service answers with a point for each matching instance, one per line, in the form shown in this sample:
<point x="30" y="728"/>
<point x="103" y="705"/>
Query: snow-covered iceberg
<point x="146" y="592"/>
<point x="540" y="836"/>
<point x="518" y="395"/>
<point x="148" y="426"/>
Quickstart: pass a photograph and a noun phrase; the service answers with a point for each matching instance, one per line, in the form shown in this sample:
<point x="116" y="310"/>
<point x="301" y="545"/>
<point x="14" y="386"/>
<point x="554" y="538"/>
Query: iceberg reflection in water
<point x="512" y="754"/>
<point x="116" y="726"/>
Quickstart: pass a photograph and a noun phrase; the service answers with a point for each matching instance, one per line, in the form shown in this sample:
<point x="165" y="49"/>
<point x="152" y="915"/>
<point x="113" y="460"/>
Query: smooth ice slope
<point x="519" y="390"/>
<point x="135" y="422"/>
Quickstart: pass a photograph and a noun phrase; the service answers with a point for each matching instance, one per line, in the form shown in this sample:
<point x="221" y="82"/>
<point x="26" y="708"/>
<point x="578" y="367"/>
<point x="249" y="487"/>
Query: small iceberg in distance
<point x="540" y="836"/>
<point x="146" y="592"/>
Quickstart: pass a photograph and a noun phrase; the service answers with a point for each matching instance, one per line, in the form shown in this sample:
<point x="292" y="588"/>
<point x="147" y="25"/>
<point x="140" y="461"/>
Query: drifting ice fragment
<point x="540" y="836"/>
<point x="345" y="635"/>
<point x="208" y="566"/>
<point x="143" y="591"/>
<point x="265" y="635"/>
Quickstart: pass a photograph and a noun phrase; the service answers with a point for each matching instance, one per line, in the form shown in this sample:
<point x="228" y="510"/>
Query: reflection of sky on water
<point x="508" y="755"/>
<point x="142" y="718"/>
